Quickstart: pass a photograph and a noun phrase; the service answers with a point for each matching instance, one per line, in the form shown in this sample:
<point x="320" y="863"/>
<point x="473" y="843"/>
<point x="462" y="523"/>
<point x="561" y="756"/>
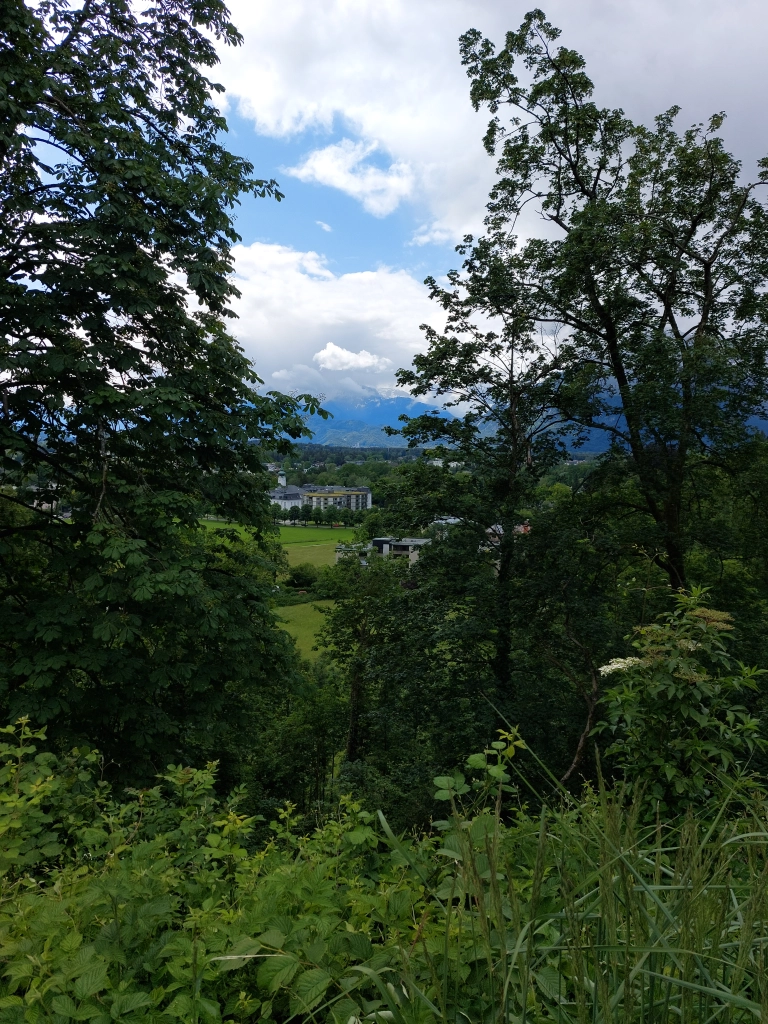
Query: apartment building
<point x="316" y="496"/>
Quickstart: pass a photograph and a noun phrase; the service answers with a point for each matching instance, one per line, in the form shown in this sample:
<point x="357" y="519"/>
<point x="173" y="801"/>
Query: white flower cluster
<point x="618" y="665"/>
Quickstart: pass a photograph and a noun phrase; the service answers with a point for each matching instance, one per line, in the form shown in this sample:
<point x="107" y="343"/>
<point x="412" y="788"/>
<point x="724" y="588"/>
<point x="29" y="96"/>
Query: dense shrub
<point x="155" y="907"/>
<point x="303" y="576"/>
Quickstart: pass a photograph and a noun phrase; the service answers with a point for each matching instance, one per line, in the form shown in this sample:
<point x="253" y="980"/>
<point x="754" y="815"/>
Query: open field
<point x="302" y="621"/>
<point x="313" y="544"/>
<point x="316" y="545"/>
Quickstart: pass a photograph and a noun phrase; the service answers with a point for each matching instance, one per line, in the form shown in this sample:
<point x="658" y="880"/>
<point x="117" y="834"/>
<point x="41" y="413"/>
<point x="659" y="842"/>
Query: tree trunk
<point x="355" y="710"/>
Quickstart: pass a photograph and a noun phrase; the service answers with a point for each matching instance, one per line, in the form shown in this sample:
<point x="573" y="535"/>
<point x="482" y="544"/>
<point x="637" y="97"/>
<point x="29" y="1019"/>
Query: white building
<point x="355" y="498"/>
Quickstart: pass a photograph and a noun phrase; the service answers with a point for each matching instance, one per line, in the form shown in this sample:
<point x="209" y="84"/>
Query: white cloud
<point x="341" y="166"/>
<point x="389" y="72"/>
<point x="386" y="74"/>
<point x="323" y="225"/>
<point x="305" y="326"/>
<point x="332" y="357"/>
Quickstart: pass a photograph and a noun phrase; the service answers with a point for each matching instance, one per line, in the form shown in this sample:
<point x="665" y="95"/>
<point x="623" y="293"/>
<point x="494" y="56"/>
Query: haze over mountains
<point x="360" y="422"/>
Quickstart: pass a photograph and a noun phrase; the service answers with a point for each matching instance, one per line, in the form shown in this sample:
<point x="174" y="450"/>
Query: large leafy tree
<point x="128" y="412"/>
<point x="618" y="290"/>
<point x="646" y="286"/>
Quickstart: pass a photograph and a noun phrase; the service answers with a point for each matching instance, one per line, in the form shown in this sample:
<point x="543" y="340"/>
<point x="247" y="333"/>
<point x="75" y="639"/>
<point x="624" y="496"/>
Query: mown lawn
<point x="303" y="621"/>
<point x="316" y="545"/>
<point x="313" y="544"/>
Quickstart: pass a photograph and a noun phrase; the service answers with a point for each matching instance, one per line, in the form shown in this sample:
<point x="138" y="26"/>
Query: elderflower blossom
<point x="618" y="665"/>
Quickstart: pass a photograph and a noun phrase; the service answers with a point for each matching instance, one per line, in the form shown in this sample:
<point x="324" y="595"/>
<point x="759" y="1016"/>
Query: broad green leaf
<point x="64" y="1006"/>
<point x="308" y="989"/>
<point x="277" y="971"/>
<point x="180" y="1007"/>
<point x="128" y="1002"/>
<point x="272" y="938"/>
<point x="91" y="981"/>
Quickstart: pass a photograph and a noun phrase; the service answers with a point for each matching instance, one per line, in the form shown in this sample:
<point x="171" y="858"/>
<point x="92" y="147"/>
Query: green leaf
<point x="239" y="955"/>
<point x="64" y="1006"/>
<point x="360" y="945"/>
<point x="71" y="942"/>
<point x="209" y="1007"/>
<point x="308" y="989"/>
<point x="272" y="938"/>
<point x="128" y="1002"/>
<point x="180" y="1007"/>
<point x="277" y="971"/>
<point x="91" y="981"/>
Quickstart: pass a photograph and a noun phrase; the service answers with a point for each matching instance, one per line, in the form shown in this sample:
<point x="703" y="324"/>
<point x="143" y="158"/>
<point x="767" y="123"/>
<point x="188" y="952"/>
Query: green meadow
<point x="303" y="621"/>
<point x="314" y="544"/>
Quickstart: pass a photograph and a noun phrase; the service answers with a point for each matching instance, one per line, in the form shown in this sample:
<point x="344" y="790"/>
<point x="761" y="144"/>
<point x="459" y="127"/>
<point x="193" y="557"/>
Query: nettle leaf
<point x="277" y="971"/>
<point x="64" y="1005"/>
<point x="180" y="1007"/>
<point x="91" y="981"/>
<point x="129" y="1002"/>
<point x="309" y="989"/>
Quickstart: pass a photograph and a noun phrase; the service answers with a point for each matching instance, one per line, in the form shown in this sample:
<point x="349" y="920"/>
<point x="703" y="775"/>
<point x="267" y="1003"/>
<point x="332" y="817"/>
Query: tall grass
<point x="591" y="916"/>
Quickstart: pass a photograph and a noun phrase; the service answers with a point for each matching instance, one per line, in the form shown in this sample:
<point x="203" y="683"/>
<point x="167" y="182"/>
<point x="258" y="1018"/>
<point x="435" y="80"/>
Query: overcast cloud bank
<point x="382" y="78"/>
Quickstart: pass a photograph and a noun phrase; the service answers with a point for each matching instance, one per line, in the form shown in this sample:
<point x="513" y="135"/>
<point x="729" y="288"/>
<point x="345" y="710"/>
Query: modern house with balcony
<point x="388" y="547"/>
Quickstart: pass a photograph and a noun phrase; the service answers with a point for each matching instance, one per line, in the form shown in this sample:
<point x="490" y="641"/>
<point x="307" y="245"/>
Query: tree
<point x="294" y="512"/>
<point x="416" y="643"/>
<point x="330" y="515"/>
<point x="276" y="511"/>
<point x="354" y="625"/>
<point x="303" y="576"/>
<point x="305" y="515"/>
<point x="127" y="413"/>
<point x="640" y="317"/>
<point x="651" y="278"/>
<point x="317" y="515"/>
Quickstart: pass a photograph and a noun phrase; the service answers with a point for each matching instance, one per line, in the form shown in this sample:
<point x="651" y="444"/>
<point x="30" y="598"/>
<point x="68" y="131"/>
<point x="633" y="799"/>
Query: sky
<point x="360" y="109"/>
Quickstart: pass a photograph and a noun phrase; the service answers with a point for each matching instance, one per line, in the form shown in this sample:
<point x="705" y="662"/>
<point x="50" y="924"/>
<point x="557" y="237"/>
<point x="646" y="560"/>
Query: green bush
<point x="679" y="731"/>
<point x="303" y="576"/>
<point x="155" y="907"/>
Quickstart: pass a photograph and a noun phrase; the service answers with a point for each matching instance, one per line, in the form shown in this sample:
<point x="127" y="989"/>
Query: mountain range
<point x="360" y="423"/>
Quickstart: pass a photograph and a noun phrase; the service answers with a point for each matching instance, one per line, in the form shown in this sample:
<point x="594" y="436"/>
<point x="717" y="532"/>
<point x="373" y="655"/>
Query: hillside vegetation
<point x="518" y="779"/>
